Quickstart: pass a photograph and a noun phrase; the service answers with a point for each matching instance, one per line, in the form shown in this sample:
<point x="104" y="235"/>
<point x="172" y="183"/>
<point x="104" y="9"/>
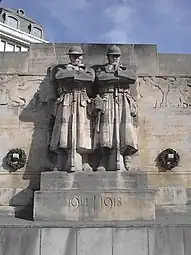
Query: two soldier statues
<point x="93" y="114"/>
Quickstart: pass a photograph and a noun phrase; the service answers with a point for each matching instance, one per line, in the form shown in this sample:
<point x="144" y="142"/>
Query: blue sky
<point x="166" y="23"/>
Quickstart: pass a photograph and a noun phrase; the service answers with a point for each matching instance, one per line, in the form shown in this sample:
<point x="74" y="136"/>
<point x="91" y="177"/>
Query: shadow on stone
<point x="39" y="159"/>
<point x="23" y="203"/>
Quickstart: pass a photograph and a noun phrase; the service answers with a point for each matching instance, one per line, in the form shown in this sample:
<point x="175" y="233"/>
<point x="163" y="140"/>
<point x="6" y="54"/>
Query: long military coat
<point x="72" y="122"/>
<point x="119" y="109"/>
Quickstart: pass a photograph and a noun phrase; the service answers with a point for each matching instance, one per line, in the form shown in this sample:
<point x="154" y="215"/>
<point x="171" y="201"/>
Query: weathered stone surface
<point x="187" y="243"/>
<point x="188" y="194"/>
<point x="6" y="195"/>
<point x="171" y="196"/>
<point x="19" y="211"/>
<point x="9" y="62"/>
<point x="140" y="240"/>
<point x="168" y="211"/>
<point x="94" y="241"/>
<point x="58" y="241"/>
<point x="146" y="60"/>
<point x="133" y="241"/>
<point x="161" y="97"/>
<point x="93" y="181"/>
<point x="174" y="64"/>
<point x="94" y="205"/>
<point x="95" y="196"/>
<point x="167" y="179"/>
<point x="12" y="196"/>
<point x="166" y="241"/>
<point x="22" y="197"/>
<point x="42" y="56"/>
<point x="19" y="241"/>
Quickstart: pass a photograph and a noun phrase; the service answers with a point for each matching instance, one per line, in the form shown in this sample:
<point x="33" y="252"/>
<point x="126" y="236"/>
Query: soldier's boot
<point x="104" y="160"/>
<point x="61" y="161"/>
<point x="130" y="150"/>
<point x="86" y="166"/>
<point x="127" y="162"/>
<point x="101" y="167"/>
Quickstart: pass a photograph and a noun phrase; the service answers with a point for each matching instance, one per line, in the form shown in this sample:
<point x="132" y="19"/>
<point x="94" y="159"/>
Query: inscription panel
<point x="164" y="113"/>
<point x="162" y="129"/>
<point x="105" y="202"/>
<point x="94" y="206"/>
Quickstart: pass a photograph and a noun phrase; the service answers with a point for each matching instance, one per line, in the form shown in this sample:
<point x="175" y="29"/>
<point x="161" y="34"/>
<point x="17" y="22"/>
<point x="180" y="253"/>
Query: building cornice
<point x="19" y="35"/>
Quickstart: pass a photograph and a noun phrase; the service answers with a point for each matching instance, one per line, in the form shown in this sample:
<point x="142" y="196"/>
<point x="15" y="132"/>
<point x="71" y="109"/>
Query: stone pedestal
<point x="108" y="196"/>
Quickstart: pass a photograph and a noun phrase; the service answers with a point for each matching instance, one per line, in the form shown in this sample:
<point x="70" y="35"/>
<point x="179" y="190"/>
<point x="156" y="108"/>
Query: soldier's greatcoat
<point x="74" y="83"/>
<point x="115" y="92"/>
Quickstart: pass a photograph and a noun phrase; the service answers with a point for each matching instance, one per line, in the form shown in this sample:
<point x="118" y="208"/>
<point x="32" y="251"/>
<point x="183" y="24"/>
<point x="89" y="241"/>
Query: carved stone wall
<point x="24" y="114"/>
<point x="163" y="119"/>
<point x="164" y="122"/>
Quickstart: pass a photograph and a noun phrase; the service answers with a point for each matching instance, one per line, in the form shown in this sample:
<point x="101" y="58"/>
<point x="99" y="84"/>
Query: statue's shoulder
<point x="60" y="66"/>
<point x="64" y="71"/>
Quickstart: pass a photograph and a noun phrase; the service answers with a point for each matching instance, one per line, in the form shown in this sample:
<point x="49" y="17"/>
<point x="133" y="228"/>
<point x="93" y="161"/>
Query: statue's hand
<point x="89" y="100"/>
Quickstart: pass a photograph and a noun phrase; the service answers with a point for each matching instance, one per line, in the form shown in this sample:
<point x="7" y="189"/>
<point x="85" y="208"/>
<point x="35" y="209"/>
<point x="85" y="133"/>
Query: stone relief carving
<point x="170" y="91"/>
<point x="93" y="114"/>
<point x="16" y="91"/>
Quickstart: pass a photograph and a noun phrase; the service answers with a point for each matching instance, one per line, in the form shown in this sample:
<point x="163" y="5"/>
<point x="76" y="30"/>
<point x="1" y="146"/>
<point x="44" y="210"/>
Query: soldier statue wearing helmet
<point x="115" y="140"/>
<point x="71" y="136"/>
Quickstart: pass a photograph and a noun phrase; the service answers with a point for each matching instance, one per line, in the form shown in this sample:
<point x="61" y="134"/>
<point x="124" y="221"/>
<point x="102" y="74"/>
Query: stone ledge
<point x="174" y="221"/>
<point x="14" y="211"/>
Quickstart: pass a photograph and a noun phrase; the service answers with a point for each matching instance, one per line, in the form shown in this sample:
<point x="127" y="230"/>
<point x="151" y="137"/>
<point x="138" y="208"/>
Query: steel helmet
<point x="114" y="50"/>
<point x="75" y="50"/>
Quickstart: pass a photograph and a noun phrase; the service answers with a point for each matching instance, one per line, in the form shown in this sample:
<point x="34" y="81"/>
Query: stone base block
<point x="118" y="205"/>
<point x="96" y="196"/>
<point x="93" y="181"/>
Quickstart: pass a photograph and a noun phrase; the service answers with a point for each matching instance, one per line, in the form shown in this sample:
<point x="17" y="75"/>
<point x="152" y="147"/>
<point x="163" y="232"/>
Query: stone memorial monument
<point x="93" y="116"/>
<point x="95" y="150"/>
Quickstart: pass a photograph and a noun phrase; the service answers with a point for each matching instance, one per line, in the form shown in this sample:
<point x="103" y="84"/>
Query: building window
<point x="21" y="12"/>
<point x="24" y="49"/>
<point x="37" y="32"/>
<point x="17" y="48"/>
<point x="2" y="45"/>
<point x="12" y="22"/>
<point x="9" y="47"/>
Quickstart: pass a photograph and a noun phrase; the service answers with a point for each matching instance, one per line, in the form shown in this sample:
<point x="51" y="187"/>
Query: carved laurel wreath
<point x="168" y="159"/>
<point x="16" y="158"/>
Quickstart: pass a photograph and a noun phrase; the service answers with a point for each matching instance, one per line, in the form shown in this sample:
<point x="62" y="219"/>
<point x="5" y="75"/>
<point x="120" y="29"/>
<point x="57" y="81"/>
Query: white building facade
<point x="17" y="31"/>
